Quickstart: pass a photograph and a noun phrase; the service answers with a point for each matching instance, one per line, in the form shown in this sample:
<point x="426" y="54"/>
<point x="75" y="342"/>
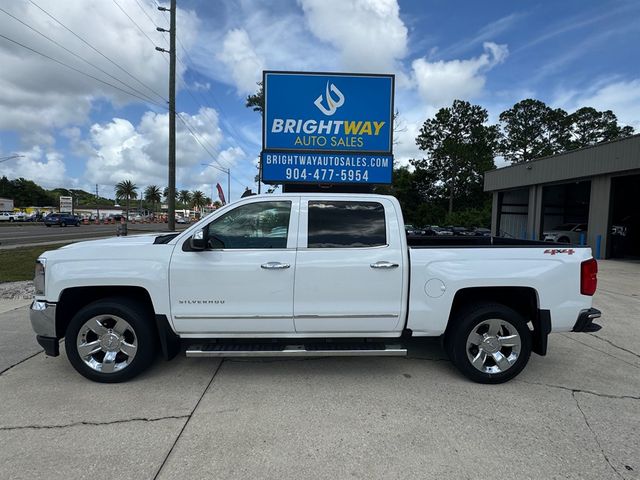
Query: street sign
<point x="66" y="204"/>
<point x="327" y="128"/>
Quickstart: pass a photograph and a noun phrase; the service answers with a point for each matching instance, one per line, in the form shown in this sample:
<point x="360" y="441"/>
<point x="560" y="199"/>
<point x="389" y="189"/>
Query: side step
<point x="296" y="350"/>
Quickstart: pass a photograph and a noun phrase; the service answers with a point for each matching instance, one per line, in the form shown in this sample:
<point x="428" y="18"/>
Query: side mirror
<point x="198" y="240"/>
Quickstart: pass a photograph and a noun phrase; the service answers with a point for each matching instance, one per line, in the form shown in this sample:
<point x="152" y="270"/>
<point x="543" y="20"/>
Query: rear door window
<point x="338" y="224"/>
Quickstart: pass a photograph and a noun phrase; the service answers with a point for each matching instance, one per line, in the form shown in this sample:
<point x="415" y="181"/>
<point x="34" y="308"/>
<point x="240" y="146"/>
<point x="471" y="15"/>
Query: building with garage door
<point x="594" y="190"/>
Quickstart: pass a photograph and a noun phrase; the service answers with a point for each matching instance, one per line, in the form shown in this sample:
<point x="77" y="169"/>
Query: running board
<point x="297" y="350"/>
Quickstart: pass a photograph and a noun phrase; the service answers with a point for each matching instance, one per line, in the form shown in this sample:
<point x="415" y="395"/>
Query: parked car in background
<point x="61" y="219"/>
<point x="13" y="216"/>
<point x="182" y="220"/>
<point x="411" y="230"/>
<point x="458" y="231"/>
<point x="481" y="232"/>
<point x="567" y="233"/>
<point x="441" y="230"/>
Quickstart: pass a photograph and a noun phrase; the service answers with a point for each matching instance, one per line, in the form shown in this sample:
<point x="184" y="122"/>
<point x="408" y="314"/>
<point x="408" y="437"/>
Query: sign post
<point x="327" y="128"/>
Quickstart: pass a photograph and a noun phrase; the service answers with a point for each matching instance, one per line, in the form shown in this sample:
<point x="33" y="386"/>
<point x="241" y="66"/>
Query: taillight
<point x="588" y="277"/>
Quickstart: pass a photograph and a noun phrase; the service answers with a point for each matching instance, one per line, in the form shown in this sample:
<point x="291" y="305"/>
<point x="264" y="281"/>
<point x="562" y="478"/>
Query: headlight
<point x="38" y="279"/>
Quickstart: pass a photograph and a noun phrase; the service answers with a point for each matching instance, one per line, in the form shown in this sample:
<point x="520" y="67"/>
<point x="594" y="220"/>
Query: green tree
<point x="126" y="190"/>
<point x="460" y="147"/>
<point x="197" y="200"/>
<point x="184" y="197"/>
<point x="152" y="194"/>
<point x="26" y="193"/>
<point x="590" y="126"/>
<point x="531" y="129"/>
<point x="256" y="101"/>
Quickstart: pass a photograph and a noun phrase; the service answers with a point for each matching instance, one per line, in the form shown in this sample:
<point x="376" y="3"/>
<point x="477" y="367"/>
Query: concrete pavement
<point x="572" y="414"/>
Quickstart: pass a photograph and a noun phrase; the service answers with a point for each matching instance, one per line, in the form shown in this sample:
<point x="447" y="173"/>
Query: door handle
<point x="274" y="266"/>
<point x="384" y="265"/>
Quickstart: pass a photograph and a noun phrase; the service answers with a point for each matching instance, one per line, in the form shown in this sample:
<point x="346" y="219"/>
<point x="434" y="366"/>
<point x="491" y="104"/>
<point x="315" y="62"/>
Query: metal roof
<point x="605" y="158"/>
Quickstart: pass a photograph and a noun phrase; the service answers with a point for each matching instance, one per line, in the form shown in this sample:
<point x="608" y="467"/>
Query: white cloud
<point x="39" y="96"/>
<point x="241" y="59"/>
<point x="620" y="96"/>
<point x="123" y="151"/>
<point x="44" y="167"/>
<point x="369" y="34"/>
<point x="441" y="82"/>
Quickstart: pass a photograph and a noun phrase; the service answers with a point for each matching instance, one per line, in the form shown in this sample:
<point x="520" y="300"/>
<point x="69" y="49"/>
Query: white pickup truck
<point x="308" y="275"/>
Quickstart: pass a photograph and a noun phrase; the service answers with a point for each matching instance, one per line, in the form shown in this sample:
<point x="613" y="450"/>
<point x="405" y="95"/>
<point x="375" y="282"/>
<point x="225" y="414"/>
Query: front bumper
<point x="585" y="321"/>
<point x="43" y="322"/>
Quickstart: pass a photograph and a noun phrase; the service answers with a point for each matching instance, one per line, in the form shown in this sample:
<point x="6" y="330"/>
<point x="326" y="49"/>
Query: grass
<point x="17" y="264"/>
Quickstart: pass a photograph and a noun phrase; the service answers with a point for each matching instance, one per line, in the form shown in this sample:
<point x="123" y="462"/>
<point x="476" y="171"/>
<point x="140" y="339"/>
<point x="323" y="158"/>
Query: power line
<point x="96" y="50"/>
<point x="213" y="101"/>
<point x="147" y="15"/>
<point x="80" y="71"/>
<point x="189" y="92"/>
<point x="136" y="24"/>
<point x="213" y="157"/>
<point x="76" y="55"/>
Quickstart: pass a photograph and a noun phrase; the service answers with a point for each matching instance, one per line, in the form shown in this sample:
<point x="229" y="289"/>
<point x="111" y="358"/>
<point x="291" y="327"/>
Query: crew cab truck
<point x="308" y="275"/>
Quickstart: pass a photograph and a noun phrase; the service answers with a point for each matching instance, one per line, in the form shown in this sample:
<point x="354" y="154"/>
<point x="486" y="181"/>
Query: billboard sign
<point x="327" y="128"/>
<point x="66" y="204"/>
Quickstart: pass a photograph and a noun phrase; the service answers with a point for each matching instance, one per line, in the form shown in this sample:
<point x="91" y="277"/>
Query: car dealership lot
<point x="575" y="414"/>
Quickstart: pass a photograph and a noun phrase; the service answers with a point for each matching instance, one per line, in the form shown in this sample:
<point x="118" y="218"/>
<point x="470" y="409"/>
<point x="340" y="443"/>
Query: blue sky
<point x="75" y="132"/>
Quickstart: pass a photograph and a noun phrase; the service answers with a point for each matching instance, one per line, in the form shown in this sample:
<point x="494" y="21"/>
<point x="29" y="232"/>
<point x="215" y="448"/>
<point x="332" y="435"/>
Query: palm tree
<point x="126" y="189"/>
<point x="184" y="197"/>
<point x="197" y="200"/>
<point x="152" y="194"/>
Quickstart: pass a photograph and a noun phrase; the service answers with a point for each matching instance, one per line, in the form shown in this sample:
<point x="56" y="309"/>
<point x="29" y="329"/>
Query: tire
<point x="77" y="224"/>
<point x="10" y="219"/>
<point x="47" y="225"/>
<point x="489" y="343"/>
<point x="564" y="240"/>
<point x="111" y="340"/>
<point x="63" y="224"/>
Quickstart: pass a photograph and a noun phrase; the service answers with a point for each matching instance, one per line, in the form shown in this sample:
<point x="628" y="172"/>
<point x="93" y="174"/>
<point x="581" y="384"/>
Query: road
<point x="18" y="234"/>
<point x="574" y="414"/>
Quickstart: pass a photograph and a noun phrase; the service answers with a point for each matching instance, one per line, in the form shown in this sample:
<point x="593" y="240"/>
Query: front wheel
<point x="489" y="343"/>
<point x="63" y="224"/>
<point x="111" y="340"/>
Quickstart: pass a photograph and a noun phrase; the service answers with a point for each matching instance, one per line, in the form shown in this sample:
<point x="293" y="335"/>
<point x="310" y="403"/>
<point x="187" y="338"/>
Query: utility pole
<point x="172" y="112"/>
<point x="97" y="203"/>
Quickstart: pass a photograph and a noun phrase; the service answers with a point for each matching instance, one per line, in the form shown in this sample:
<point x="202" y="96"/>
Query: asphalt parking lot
<point x="22" y="234"/>
<point x="572" y="414"/>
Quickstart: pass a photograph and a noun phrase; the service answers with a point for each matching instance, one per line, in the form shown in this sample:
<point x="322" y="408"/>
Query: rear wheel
<point x="63" y="224"/>
<point x="564" y="240"/>
<point x="489" y="343"/>
<point x="111" y="340"/>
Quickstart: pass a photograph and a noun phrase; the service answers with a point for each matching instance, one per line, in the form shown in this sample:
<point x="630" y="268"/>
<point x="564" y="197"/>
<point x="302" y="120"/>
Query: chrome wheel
<point x="493" y="346"/>
<point x="107" y="343"/>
